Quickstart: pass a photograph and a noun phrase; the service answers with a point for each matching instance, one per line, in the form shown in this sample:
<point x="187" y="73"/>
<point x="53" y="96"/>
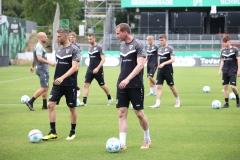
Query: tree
<point x="12" y="8"/>
<point x="43" y="11"/>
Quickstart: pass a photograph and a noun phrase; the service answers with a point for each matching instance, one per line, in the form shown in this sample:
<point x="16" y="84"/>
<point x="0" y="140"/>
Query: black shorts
<point x="44" y="79"/>
<point x="229" y="78"/>
<point x="99" y="77"/>
<point x="165" y="76"/>
<point x="151" y="71"/>
<point x="133" y="95"/>
<point x="69" y="92"/>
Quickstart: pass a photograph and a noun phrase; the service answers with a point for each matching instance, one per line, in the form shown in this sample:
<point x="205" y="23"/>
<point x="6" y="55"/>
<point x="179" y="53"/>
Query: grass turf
<point x="193" y="131"/>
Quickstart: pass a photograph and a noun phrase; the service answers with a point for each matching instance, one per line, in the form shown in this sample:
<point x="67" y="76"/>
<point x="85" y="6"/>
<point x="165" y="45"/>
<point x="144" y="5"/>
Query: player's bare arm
<point x="137" y="69"/>
<point x="95" y="71"/>
<point x="170" y="61"/>
<point x="41" y="59"/>
<point x="59" y="80"/>
<point x="32" y="67"/>
<point x="220" y="68"/>
<point x="238" y="71"/>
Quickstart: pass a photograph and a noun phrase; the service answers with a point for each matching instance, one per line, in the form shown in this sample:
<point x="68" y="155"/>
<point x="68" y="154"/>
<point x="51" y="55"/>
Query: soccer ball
<point x="206" y="89"/>
<point x="24" y="98"/>
<point x="113" y="145"/>
<point x="216" y="104"/>
<point x="232" y="96"/>
<point x="35" y="136"/>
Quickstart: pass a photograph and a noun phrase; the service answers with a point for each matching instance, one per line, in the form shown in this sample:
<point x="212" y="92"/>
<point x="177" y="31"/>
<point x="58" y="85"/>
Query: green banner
<point x="179" y="54"/>
<point x="64" y="23"/>
<point x="178" y="3"/>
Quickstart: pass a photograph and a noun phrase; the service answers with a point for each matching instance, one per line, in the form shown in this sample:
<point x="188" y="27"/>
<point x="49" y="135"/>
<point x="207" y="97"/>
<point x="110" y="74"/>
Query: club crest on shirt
<point x="130" y="47"/>
<point x="231" y="50"/>
<point x="67" y="50"/>
<point x="166" y="49"/>
<point x="94" y="48"/>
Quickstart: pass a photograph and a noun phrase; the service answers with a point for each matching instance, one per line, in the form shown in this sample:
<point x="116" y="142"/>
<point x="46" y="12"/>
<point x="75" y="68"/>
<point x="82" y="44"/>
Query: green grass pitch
<point x="194" y="131"/>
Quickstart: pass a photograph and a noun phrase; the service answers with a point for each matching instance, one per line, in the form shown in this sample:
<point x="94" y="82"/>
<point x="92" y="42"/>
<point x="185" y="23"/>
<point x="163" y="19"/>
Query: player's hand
<point x="219" y="73"/>
<point x="58" y="81"/>
<point x="161" y="65"/>
<point x="95" y="71"/>
<point x="53" y="64"/>
<point x="123" y="84"/>
<point x="238" y="73"/>
<point x="31" y="69"/>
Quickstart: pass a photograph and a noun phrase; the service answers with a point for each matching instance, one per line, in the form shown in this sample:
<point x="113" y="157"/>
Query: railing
<point x="180" y="42"/>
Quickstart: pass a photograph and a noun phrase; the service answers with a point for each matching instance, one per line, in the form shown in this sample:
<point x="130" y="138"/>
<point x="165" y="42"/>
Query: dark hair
<point x="225" y="39"/>
<point x="163" y="36"/>
<point x="63" y="31"/>
<point x="124" y="27"/>
<point x="91" y="35"/>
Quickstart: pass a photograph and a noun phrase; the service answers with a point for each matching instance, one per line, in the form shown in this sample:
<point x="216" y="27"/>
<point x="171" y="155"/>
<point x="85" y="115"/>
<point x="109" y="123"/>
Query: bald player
<point x="40" y="63"/>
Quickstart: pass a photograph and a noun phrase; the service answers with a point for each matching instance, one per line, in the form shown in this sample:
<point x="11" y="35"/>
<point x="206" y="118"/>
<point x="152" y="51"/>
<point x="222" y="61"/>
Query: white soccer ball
<point x="206" y="89"/>
<point x="24" y="98"/>
<point x="113" y="145"/>
<point x="78" y="102"/>
<point x="35" y="136"/>
<point x="232" y="96"/>
<point x="216" y="104"/>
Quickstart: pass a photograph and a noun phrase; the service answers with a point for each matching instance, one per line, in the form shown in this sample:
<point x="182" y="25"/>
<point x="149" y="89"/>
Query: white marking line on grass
<point x="16" y="79"/>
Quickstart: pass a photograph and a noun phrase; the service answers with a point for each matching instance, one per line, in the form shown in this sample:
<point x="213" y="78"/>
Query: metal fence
<point x="180" y="42"/>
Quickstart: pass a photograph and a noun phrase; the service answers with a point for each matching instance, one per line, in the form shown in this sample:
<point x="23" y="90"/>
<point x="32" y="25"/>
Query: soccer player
<point x="130" y="87"/>
<point x="95" y="70"/>
<point x="72" y="38"/>
<point x="41" y="63"/>
<point x="230" y="69"/>
<point x="65" y="83"/>
<point x="152" y="62"/>
<point x="165" y="71"/>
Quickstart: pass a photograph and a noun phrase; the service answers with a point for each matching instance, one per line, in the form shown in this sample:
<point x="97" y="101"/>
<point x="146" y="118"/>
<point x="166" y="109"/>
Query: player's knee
<point x="121" y="113"/>
<point x="86" y="85"/>
<point x="50" y="105"/>
<point x="139" y="114"/>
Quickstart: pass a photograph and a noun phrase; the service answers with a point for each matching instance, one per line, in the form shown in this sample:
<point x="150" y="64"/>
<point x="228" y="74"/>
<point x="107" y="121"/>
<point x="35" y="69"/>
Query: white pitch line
<point x="16" y="79"/>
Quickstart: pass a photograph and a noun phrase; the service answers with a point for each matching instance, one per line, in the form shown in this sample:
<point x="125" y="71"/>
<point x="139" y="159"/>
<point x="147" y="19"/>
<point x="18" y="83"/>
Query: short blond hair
<point x="73" y="34"/>
<point x="150" y="37"/>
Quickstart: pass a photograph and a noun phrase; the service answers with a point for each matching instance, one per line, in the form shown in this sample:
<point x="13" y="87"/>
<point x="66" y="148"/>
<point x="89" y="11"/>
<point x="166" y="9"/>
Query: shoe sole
<point x="49" y="139"/>
<point x="154" y="107"/>
<point x="70" y="138"/>
<point x="29" y="106"/>
<point x="109" y="104"/>
<point x="146" y="147"/>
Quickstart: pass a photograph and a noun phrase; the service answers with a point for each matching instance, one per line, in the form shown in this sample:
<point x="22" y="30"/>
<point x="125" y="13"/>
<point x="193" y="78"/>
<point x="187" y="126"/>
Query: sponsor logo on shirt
<point x="67" y="50"/>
